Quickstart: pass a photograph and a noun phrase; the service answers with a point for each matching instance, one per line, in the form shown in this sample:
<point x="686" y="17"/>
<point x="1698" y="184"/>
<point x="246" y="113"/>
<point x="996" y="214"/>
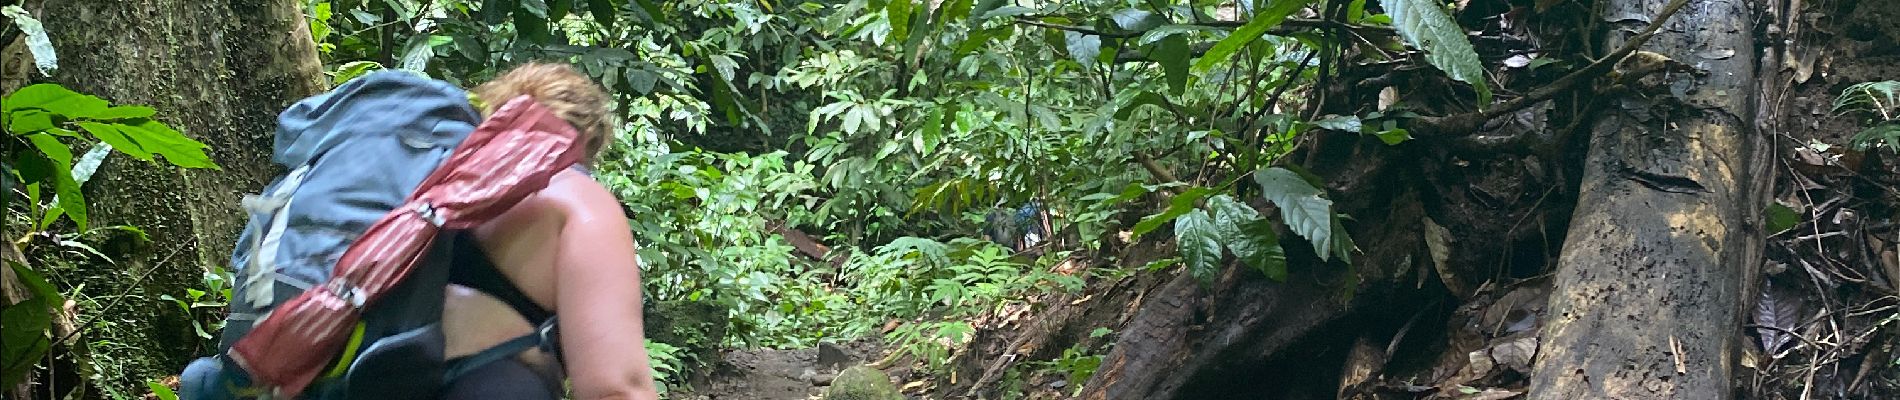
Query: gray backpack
<point x="353" y="154"/>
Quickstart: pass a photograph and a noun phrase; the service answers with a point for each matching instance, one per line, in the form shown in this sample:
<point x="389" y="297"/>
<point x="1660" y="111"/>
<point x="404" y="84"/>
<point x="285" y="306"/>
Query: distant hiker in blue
<point x="475" y="316"/>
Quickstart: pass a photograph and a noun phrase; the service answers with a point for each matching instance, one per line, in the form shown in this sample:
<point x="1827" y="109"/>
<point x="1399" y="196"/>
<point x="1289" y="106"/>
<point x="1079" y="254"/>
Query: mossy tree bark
<point x="1666" y="240"/>
<point x="218" y="71"/>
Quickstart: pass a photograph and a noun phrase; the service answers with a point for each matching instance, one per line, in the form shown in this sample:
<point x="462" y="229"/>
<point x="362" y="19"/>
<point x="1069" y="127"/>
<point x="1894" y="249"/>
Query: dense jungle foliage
<point x="828" y="170"/>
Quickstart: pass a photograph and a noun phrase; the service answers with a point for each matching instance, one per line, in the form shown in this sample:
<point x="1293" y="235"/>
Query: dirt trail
<point x="766" y="374"/>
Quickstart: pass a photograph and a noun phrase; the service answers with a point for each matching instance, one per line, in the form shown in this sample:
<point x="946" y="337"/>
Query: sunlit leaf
<point x="1272" y="16"/>
<point x="1301" y="207"/>
<point x="1425" y="25"/>
<point x="1083" y="48"/>
<point x="354" y="69"/>
<point x="1248" y="236"/>
<point x="52" y="98"/>
<point x="1200" y="244"/>
<point x="1178" y="206"/>
<point x="898" y="13"/>
<point x="1781" y="217"/>
<point x="1137" y="20"/>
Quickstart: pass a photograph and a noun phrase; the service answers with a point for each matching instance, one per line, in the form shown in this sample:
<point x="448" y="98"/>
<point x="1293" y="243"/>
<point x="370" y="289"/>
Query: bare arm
<point x="598" y="293"/>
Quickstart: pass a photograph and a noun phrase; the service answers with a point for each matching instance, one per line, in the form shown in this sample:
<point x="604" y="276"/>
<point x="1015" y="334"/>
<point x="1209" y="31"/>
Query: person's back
<point x="566" y="250"/>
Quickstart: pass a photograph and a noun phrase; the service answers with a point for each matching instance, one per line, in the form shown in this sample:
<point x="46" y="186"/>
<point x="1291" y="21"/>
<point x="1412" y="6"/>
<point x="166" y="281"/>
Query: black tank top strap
<point x="473" y="268"/>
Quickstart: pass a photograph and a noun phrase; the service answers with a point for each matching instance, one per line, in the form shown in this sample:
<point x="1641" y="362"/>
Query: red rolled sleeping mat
<point x="511" y="155"/>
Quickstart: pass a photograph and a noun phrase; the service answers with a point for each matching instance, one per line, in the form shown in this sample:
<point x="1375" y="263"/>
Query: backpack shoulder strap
<point x="542" y="337"/>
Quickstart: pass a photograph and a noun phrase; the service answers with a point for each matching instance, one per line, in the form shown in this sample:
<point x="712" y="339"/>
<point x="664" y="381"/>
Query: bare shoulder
<point x="582" y="198"/>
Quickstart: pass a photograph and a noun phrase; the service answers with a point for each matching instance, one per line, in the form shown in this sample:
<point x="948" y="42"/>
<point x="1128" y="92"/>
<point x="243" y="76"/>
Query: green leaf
<point x="494" y="12"/>
<point x="1143" y="99"/>
<point x="604" y="11"/>
<point x="353" y="70"/>
<point x="1268" y="18"/>
<point x="26" y="338"/>
<point x="1301" y="206"/>
<point x="955" y="9"/>
<point x="1178" y="206"/>
<point x="111" y="134"/>
<point x="652" y="11"/>
<point x="1083" y="48"/>
<point x="1781" y="218"/>
<point x="44" y="58"/>
<point x="558" y="9"/>
<point x="162" y="140"/>
<point x="162" y="392"/>
<point x="1345" y="123"/>
<point x="124" y="112"/>
<point x="1200" y="244"/>
<point x="1137" y="20"/>
<point x="29" y="121"/>
<point x="898" y="12"/>
<point x="53" y="98"/>
<point x="1394" y="136"/>
<point x="1887" y="134"/>
<point x="1424" y="25"/>
<point x="531" y="27"/>
<point x="52" y="148"/>
<point x="1172" y="53"/>
<point x="1250" y="237"/>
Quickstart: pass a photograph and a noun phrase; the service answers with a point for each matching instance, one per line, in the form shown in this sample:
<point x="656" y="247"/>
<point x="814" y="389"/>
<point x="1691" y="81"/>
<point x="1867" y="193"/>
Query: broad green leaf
<point x="1137" y="20"/>
<point x="955" y="9"/>
<point x="531" y="27"/>
<point x="52" y="148"/>
<point x="642" y="80"/>
<point x="29" y="121"/>
<point x="1200" y="244"/>
<point x="1178" y="206"/>
<point x="162" y="140"/>
<point x="1083" y="48"/>
<point x="1268" y="18"/>
<point x="1346" y="123"/>
<point x="123" y="112"/>
<point x="353" y="70"/>
<point x="1424" y="25"/>
<point x="162" y="392"/>
<point x="1394" y="136"/>
<point x="52" y="98"/>
<point x="26" y="338"/>
<point x="111" y="134"/>
<point x="898" y="12"/>
<point x="1250" y="237"/>
<point x="1781" y="218"/>
<point x="652" y="11"/>
<point x="44" y="58"/>
<point x="558" y="9"/>
<point x="1172" y="54"/>
<point x="539" y="8"/>
<point x="420" y="50"/>
<point x="1301" y="207"/>
<point x="1142" y="99"/>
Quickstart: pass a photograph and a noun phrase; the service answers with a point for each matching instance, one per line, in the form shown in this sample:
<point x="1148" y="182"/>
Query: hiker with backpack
<point x="423" y="245"/>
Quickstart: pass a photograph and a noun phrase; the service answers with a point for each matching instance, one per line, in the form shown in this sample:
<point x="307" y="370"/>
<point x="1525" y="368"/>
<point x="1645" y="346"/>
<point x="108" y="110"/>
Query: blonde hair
<point x="572" y="96"/>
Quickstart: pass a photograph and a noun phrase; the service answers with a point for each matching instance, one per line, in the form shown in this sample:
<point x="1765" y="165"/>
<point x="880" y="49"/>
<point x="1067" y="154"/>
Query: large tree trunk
<point x="1665" y="241"/>
<point x="218" y="71"/>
